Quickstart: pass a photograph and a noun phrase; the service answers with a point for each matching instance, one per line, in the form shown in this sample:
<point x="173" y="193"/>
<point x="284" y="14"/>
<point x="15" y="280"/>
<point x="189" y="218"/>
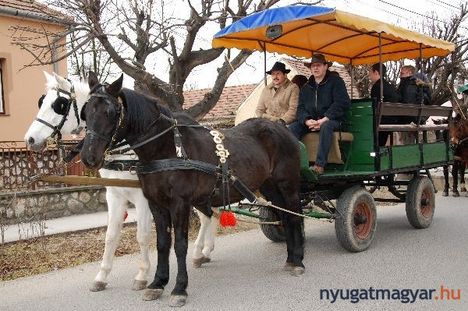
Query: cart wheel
<point x="355" y="222"/>
<point x="273" y="232"/>
<point x="420" y="202"/>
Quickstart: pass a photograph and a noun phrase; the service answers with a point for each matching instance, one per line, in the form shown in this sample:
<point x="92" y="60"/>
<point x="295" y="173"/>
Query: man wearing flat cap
<point x="278" y="101"/>
<point x="323" y="103"/>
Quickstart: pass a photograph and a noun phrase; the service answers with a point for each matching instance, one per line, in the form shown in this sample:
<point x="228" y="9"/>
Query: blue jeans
<point x="325" y="138"/>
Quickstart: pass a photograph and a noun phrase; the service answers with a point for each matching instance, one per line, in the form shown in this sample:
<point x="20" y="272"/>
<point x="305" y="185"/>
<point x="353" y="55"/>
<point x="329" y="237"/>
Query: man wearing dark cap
<point x="278" y="101"/>
<point x="323" y="103"/>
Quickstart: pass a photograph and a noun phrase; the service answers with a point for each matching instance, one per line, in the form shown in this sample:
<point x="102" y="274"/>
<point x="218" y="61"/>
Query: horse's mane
<point x="141" y="110"/>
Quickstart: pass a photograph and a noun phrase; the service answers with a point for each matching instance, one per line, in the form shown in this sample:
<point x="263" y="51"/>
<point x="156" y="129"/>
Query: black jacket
<point x="390" y="94"/>
<point x="328" y="98"/>
<point x="414" y="91"/>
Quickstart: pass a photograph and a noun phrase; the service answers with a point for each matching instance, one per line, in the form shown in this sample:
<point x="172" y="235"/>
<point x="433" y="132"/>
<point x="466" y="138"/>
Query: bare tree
<point x="135" y="33"/>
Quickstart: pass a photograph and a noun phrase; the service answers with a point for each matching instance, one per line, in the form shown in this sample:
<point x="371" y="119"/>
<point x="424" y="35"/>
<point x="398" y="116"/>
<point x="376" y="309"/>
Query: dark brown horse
<point x="459" y="137"/>
<point x="179" y="169"/>
<point x="458" y="131"/>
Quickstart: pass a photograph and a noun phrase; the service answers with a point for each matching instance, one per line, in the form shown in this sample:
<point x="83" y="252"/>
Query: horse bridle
<point x="105" y="96"/>
<point x="112" y="148"/>
<point x="71" y="102"/>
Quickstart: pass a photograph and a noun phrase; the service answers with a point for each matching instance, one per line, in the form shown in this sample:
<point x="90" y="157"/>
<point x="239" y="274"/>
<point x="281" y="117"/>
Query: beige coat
<point x="279" y="104"/>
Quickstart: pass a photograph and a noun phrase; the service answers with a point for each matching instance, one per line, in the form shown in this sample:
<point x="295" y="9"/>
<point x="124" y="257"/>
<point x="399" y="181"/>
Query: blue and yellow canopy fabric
<point x="342" y="37"/>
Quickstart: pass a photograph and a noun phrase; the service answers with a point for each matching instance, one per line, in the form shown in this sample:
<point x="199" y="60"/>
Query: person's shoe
<point x="318" y="169"/>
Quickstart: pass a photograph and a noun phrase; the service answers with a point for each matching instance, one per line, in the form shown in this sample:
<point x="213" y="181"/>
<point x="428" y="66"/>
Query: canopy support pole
<point x="352" y="77"/>
<point x="420" y="58"/>
<point x="265" y="67"/>
<point x="380" y="68"/>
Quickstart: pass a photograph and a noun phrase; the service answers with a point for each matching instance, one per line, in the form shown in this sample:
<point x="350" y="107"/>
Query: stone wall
<point x="39" y="205"/>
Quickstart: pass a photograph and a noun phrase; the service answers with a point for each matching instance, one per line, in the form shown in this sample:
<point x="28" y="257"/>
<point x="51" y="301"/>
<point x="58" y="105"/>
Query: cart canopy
<point x="301" y="30"/>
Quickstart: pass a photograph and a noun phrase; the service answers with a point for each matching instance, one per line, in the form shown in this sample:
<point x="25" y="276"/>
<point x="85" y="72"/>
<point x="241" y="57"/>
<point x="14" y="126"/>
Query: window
<point x="2" y="102"/>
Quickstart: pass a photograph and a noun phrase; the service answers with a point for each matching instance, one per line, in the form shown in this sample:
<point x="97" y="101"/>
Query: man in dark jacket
<point x="323" y="103"/>
<point x="413" y="88"/>
<point x="390" y="94"/>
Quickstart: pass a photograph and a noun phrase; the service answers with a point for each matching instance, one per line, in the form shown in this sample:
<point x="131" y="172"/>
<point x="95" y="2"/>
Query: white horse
<point x="60" y="113"/>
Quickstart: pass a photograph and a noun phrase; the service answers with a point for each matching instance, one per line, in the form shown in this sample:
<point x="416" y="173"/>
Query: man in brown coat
<point x="279" y="99"/>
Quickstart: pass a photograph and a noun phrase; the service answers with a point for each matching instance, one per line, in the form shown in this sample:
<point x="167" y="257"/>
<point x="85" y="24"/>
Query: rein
<point x="181" y="162"/>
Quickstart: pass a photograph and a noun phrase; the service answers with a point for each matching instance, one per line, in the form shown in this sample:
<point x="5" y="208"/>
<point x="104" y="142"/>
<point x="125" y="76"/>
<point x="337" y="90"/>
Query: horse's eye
<point x="110" y="112"/>
<point x="41" y="99"/>
<point x="82" y="113"/>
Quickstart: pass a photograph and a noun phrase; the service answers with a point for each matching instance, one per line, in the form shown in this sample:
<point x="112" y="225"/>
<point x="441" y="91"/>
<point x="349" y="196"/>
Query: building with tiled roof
<point x="21" y="85"/>
<point x="223" y="114"/>
<point x="32" y="10"/>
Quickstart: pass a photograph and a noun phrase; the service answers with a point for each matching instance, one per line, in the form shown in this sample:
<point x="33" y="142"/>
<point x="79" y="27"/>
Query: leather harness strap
<point x="175" y="164"/>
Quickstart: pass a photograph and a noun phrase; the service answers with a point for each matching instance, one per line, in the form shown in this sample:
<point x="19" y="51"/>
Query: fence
<point x="18" y="166"/>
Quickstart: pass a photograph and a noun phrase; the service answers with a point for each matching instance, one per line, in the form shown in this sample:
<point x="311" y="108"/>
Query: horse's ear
<point x="60" y="80"/>
<point x="115" y="87"/>
<point x="48" y="76"/>
<point x="92" y="79"/>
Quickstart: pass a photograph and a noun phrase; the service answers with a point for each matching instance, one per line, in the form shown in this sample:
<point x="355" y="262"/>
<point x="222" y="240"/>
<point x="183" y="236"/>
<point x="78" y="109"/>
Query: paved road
<point x="246" y="272"/>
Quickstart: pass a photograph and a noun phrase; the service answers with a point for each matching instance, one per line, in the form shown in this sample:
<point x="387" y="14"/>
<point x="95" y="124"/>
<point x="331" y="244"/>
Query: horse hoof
<point x="177" y="300"/>
<point x="98" y="286"/>
<point x="445" y="193"/>
<point x="462" y="189"/>
<point x="297" y="271"/>
<point x="456" y="194"/>
<point x="288" y="266"/>
<point x="139" y="284"/>
<point x="152" y="294"/>
<point x="197" y="262"/>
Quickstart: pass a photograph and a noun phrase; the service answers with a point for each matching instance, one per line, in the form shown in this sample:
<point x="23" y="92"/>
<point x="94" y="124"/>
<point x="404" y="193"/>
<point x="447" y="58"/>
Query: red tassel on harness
<point x="125" y="215"/>
<point x="227" y="219"/>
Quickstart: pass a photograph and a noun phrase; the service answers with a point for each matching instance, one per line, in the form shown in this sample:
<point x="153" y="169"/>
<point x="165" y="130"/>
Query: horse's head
<point x="458" y="129"/>
<point x="103" y="114"/>
<point x="58" y="112"/>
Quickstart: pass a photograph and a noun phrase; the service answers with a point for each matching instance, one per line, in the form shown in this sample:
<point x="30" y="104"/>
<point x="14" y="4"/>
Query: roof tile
<point x="32" y="6"/>
<point x="224" y="110"/>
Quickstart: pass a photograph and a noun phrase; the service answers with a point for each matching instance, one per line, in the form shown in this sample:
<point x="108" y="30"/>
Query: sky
<point x="404" y="13"/>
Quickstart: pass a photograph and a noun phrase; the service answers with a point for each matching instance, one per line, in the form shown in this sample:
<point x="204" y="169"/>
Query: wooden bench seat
<point x="412" y="128"/>
<point x="311" y="140"/>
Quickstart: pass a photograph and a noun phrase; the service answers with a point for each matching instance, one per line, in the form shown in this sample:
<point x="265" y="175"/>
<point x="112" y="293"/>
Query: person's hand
<point x="312" y="125"/>
<point x="317" y="124"/>
<point x="281" y="121"/>
<point x="269" y="117"/>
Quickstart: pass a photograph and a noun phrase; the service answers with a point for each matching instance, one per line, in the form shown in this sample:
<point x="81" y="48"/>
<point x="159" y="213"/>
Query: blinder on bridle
<point x="61" y="106"/>
<point x="113" y="111"/>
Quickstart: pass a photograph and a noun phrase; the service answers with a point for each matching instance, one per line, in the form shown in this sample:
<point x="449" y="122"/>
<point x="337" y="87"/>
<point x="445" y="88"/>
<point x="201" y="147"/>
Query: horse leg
<point x="293" y="226"/>
<point x="446" y="181"/>
<point x="180" y="213"/>
<point x="462" y="176"/>
<point x="143" y="214"/>
<point x="455" y="169"/>
<point x="116" y="206"/>
<point x="162" y="219"/>
<point x="204" y="244"/>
